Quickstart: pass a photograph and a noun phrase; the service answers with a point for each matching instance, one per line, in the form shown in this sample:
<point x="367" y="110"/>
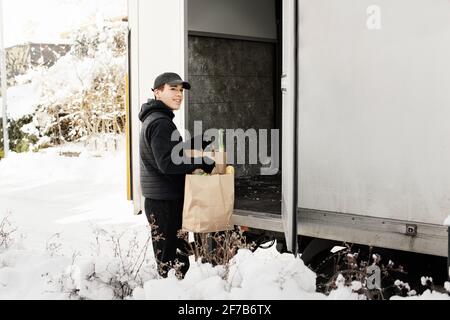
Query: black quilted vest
<point x="154" y="184"/>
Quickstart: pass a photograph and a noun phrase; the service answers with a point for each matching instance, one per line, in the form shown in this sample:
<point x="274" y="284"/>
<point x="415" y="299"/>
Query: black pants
<point x="165" y="218"/>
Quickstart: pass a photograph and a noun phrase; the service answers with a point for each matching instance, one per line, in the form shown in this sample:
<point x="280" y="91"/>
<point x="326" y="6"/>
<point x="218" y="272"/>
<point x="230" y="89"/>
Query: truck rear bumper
<point x="372" y="231"/>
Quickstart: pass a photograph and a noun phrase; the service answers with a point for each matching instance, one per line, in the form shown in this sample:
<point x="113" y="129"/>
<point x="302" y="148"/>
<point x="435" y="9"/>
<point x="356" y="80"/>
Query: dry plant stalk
<point x="218" y="248"/>
<point x="6" y="231"/>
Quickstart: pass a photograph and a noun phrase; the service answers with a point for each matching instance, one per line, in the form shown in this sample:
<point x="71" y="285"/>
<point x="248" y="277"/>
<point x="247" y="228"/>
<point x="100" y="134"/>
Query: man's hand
<point x="198" y="171"/>
<point x="208" y="168"/>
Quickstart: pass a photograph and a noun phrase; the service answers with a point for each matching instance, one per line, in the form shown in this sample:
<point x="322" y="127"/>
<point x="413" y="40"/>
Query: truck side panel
<point x="374" y="108"/>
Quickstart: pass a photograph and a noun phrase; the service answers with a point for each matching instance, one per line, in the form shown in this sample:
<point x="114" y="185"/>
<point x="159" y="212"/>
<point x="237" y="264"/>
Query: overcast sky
<point x="44" y="20"/>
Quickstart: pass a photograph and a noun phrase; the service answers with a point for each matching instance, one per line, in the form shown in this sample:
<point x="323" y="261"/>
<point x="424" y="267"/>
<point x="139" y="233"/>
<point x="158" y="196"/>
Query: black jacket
<point x="161" y="179"/>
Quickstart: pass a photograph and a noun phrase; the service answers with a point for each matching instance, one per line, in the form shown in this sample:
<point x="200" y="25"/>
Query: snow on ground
<point x="77" y="236"/>
<point x="265" y="274"/>
<point x="58" y="203"/>
<point x="45" y="192"/>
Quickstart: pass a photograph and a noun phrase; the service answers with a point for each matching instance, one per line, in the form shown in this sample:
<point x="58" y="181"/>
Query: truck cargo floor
<point x="259" y="193"/>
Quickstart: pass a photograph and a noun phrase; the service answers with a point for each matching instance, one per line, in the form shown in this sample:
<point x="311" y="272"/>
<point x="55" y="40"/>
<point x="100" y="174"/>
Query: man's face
<point x="171" y="95"/>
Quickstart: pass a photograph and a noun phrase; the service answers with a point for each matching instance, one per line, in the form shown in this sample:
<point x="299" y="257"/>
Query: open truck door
<point x="289" y="126"/>
<point x="149" y="29"/>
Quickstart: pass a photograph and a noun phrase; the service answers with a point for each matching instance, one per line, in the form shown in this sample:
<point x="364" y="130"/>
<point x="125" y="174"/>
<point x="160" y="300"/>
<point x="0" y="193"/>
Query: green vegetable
<point x="221" y="141"/>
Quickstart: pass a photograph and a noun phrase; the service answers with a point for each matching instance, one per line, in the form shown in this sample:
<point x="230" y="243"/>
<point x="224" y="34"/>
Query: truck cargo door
<point x="158" y="43"/>
<point x="289" y="127"/>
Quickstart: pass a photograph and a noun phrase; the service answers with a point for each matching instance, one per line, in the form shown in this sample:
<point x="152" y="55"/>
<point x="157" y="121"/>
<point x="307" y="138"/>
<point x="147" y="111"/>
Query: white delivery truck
<point x="360" y="90"/>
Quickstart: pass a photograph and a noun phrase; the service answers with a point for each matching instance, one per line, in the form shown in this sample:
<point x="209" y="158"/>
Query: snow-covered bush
<point x="403" y="289"/>
<point x="88" y="41"/>
<point x="83" y="94"/>
<point x="117" y="265"/>
<point x="20" y="137"/>
<point x="352" y="270"/>
<point x="217" y="249"/>
<point x="54" y="245"/>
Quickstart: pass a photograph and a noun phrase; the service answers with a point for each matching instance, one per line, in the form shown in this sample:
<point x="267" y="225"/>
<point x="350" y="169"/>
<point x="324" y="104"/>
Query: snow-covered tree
<point x="83" y="94"/>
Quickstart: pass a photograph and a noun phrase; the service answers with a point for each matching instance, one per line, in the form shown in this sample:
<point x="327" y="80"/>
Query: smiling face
<point x="171" y="95"/>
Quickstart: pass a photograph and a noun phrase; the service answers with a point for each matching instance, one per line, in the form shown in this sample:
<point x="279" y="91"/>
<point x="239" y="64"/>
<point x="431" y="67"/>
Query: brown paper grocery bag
<point x="208" y="203"/>
<point x="192" y="153"/>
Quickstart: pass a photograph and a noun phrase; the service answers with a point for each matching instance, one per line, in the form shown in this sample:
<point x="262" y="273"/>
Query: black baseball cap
<point x="170" y="78"/>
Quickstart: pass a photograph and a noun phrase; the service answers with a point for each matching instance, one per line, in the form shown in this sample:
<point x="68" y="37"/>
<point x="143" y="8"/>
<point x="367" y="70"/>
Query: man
<point x="162" y="181"/>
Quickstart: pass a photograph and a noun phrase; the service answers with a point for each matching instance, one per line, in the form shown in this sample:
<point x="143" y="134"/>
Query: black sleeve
<point x="160" y="134"/>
